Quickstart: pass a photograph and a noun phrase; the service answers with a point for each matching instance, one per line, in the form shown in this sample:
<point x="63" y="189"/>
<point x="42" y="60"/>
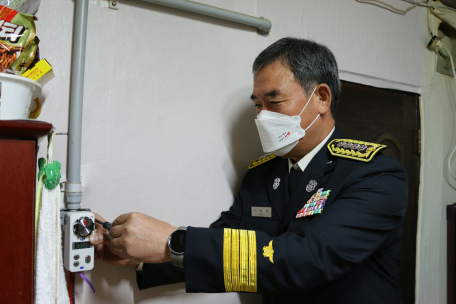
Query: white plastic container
<point x="16" y="96"/>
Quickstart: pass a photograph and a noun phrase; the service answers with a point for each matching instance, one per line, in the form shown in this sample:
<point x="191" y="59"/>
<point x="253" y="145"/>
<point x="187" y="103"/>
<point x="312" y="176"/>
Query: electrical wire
<point x="388" y="6"/>
<point x="454" y="78"/>
<point x="440" y="46"/>
<point x="424" y="4"/>
<point x="393" y="9"/>
<point x="428" y="11"/>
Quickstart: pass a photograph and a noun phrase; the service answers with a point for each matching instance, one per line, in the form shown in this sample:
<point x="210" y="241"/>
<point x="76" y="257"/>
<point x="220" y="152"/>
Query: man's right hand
<point x="103" y="249"/>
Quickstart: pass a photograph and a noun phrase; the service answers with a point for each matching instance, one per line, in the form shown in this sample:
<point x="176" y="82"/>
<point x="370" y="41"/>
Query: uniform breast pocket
<point x="299" y="223"/>
<point x="268" y="225"/>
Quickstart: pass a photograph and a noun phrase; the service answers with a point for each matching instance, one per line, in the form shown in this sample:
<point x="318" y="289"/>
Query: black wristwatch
<point x="176" y="244"/>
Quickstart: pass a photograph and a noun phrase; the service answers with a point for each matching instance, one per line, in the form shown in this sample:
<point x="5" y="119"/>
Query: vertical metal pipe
<point x="73" y="187"/>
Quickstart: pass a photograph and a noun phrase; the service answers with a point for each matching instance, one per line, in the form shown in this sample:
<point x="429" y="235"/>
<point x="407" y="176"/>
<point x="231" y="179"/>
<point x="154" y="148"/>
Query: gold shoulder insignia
<point x="268" y="252"/>
<point x="354" y="149"/>
<point x="261" y="160"/>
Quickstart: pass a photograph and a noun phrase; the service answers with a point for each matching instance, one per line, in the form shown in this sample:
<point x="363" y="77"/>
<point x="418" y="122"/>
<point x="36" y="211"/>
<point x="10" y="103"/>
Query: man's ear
<point x="324" y="95"/>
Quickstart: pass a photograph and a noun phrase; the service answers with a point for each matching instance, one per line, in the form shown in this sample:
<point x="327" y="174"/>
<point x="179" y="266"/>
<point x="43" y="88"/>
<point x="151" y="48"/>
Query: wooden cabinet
<point x="451" y="253"/>
<point x="18" y="176"/>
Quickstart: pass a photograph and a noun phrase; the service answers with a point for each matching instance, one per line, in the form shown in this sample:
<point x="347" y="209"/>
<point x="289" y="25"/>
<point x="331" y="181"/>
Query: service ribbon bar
<point x="239" y="260"/>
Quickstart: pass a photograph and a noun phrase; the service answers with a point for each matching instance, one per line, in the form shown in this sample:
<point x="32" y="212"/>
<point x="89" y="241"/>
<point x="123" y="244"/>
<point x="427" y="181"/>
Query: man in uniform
<point x="317" y="220"/>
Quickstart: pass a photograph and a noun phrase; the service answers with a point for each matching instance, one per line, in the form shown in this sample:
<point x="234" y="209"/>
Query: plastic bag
<point x="17" y="32"/>
<point x="22" y="6"/>
<point x="29" y="55"/>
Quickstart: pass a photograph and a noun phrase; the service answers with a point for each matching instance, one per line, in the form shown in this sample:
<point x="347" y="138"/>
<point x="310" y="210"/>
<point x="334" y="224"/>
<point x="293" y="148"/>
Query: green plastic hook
<point x="53" y="175"/>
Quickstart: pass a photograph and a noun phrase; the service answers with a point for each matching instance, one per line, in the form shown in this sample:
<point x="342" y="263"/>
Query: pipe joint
<point x="73" y="195"/>
<point x="73" y="200"/>
<point x="265" y="27"/>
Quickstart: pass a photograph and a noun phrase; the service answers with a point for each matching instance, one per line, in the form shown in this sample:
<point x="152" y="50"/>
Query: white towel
<point x="50" y="284"/>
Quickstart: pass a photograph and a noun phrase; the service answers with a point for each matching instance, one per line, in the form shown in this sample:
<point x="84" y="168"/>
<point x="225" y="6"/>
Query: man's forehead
<point x="273" y="82"/>
<point x="273" y="74"/>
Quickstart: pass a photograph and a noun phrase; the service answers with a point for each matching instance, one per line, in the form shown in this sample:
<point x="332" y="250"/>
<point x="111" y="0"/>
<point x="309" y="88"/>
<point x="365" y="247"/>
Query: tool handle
<point x="106" y="225"/>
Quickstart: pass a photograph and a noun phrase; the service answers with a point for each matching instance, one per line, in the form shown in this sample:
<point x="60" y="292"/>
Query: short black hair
<point x="311" y="63"/>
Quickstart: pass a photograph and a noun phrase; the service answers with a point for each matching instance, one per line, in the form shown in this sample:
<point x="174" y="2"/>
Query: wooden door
<point x="391" y="118"/>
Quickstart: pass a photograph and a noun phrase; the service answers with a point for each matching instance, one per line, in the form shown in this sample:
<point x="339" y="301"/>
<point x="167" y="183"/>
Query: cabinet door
<point x="17" y="208"/>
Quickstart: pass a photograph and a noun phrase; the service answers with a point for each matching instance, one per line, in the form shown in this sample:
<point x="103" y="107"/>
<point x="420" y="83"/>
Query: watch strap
<point x="177" y="260"/>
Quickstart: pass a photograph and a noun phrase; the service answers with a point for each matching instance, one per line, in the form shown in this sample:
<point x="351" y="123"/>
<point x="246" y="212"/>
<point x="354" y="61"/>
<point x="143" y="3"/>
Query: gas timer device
<point x="77" y="226"/>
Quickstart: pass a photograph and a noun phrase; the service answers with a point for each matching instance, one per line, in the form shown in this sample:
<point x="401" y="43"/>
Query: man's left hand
<point x="141" y="237"/>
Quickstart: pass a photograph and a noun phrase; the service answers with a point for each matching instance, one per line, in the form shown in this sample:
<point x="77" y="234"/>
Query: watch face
<point x="177" y="241"/>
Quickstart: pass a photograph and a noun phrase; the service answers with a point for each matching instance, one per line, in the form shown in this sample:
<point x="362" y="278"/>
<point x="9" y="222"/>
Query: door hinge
<point x="417" y="141"/>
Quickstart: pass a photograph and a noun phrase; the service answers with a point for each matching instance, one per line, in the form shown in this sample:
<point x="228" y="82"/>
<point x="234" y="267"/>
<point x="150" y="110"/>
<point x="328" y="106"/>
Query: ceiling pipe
<point x="263" y="25"/>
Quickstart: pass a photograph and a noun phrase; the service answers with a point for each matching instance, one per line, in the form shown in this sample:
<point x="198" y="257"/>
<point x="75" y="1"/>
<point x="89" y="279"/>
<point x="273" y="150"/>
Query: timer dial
<point x="83" y="227"/>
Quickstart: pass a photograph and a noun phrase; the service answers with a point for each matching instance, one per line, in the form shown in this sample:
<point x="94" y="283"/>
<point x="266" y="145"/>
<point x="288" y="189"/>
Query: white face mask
<point x="280" y="133"/>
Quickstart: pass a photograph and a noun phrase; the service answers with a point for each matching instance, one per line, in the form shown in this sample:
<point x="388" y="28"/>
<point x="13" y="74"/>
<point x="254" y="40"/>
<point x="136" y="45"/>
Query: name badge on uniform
<point x="262" y="211"/>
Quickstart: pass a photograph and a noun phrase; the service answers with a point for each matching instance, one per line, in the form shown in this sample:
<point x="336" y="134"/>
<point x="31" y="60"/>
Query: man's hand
<point x="103" y="249"/>
<point x="141" y="238"/>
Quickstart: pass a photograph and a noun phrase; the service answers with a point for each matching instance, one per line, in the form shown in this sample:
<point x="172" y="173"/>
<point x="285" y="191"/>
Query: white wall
<point x="168" y="124"/>
<point x="437" y="116"/>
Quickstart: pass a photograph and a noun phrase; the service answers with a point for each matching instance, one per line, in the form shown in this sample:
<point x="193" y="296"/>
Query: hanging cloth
<point x="50" y="284"/>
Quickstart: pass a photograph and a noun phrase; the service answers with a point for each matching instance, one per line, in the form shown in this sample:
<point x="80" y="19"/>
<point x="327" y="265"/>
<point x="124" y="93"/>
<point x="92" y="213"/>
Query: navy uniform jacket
<point x="346" y="254"/>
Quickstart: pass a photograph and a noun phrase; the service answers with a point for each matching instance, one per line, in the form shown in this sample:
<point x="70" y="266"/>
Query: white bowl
<point x="16" y="95"/>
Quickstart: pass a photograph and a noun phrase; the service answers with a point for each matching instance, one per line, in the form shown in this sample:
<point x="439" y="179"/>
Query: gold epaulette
<point x="354" y="149"/>
<point x="262" y="160"/>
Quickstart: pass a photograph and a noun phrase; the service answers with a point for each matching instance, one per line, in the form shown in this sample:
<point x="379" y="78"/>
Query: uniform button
<point x="76" y="256"/>
<point x="88" y="259"/>
<point x="76" y="264"/>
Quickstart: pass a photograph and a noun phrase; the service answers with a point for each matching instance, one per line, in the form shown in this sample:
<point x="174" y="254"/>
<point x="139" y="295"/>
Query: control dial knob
<point x="84" y="226"/>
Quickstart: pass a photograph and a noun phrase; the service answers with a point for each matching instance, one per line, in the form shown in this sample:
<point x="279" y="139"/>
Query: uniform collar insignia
<point x="262" y="160"/>
<point x="276" y="183"/>
<point x="354" y="149"/>
<point x="311" y="186"/>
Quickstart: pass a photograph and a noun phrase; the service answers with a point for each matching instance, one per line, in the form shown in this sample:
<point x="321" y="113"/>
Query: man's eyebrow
<point x="272" y="93"/>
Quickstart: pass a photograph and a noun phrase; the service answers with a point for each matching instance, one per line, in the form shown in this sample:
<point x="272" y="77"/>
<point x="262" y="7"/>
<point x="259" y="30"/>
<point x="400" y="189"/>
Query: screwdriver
<point x="106" y="225"/>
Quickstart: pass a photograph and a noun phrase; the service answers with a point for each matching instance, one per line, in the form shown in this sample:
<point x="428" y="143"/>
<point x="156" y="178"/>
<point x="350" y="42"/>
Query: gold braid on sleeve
<point x="239" y="260"/>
